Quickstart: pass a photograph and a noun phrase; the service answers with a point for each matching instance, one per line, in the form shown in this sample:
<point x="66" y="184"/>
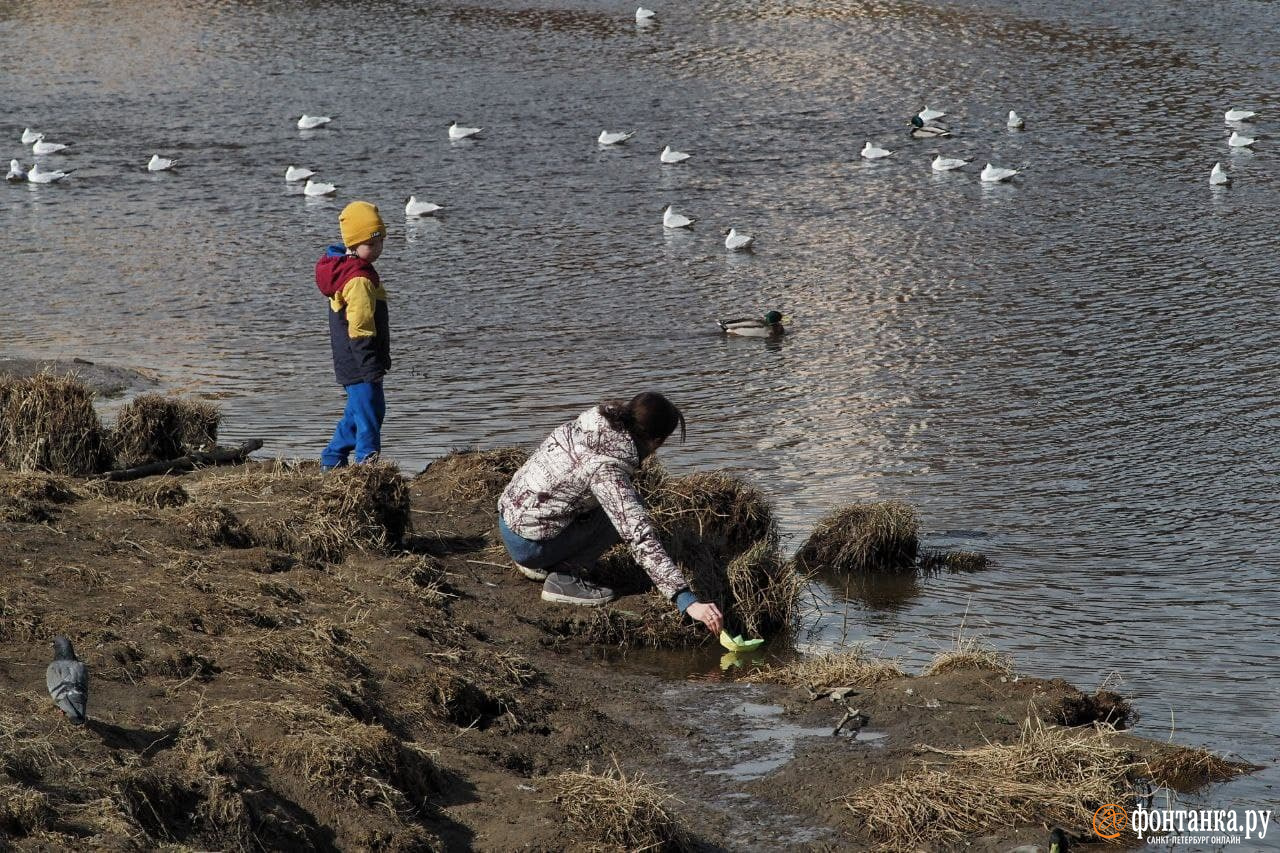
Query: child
<point x="358" y="332"/>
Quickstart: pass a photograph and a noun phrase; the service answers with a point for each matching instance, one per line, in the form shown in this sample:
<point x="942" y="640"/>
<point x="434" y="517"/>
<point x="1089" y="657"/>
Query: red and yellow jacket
<point x="359" y="332"/>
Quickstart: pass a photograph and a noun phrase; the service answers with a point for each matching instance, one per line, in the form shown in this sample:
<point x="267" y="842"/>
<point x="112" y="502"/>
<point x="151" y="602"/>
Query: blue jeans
<point x="582" y="542"/>
<point x="361" y="426"/>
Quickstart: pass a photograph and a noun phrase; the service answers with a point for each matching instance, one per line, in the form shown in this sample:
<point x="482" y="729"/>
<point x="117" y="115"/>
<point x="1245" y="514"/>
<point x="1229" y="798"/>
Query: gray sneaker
<point x="532" y="574"/>
<point x="566" y="589"/>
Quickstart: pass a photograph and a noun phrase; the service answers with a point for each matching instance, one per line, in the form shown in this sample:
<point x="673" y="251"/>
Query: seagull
<point x="1231" y="117"/>
<point x="643" y="14"/>
<point x="669" y="156"/>
<point x="1218" y="176"/>
<point x="995" y="174"/>
<point x="871" y="152"/>
<point x="296" y="173"/>
<point x="318" y="188"/>
<point x="927" y="115"/>
<point x="946" y="164"/>
<point x="29" y="136"/>
<point x="306" y="122"/>
<point x="1014" y="121"/>
<point x="67" y="680"/>
<point x="36" y="176"/>
<point x="671" y="219"/>
<point x="1238" y="141"/>
<point x="922" y="130"/>
<point x="614" y="138"/>
<point x="16" y="172"/>
<point x="457" y="131"/>
<point x="159" y="164"/>
<point x="736" y="242"/>
<point x="413" y="207"/>
<point x="42" y="147"/>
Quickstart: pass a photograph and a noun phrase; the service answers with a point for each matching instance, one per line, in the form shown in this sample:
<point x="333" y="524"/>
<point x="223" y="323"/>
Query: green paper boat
<point x="737" y="644"/>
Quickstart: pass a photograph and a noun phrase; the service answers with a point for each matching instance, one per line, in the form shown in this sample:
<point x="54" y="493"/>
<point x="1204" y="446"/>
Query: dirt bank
<point x="265" y="676"/>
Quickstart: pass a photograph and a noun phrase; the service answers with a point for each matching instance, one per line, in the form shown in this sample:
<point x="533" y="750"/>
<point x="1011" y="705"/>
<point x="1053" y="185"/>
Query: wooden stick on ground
<point x="194" y="459"/>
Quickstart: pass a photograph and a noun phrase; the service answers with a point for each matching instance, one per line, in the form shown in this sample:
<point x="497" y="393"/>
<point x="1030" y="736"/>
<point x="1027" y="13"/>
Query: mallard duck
<point x="1057" y="844"/>
<point x="768" y="326"/>
<point x="921" y="129"/>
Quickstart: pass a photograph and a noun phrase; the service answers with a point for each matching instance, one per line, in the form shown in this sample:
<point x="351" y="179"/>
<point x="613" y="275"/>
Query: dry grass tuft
<point x="156" y="493"/>
<point x="214" y="524"/>
<point x="1188" y="769"/>
<point x="849" y="668"/>
<point x="48" y="423"/>
<point x="32" y="498"/>
<point x="1103" y="706"/>
<point x="474" y="475"/>
<point x="875" y="537"/>
<point x="1049" y="776"/>
<point x="156" y="428"/>
<point x="621" y="812"/>
<point x="970" y="653"/>
<point x="23" y="810"/>
<point x="952" y="561"/>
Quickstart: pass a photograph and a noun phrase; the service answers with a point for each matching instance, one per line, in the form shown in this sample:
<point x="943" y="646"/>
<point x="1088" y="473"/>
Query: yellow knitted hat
<point x="360" y="222"/>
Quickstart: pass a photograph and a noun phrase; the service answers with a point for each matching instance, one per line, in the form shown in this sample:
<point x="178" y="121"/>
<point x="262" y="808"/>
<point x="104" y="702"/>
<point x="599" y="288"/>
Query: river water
<point x="1074" y="374"/>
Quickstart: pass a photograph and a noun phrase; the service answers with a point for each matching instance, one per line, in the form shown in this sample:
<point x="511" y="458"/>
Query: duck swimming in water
<point x="768" y="326"/>
<point x="921" y="129"/>
<point x="1057" y="844"/>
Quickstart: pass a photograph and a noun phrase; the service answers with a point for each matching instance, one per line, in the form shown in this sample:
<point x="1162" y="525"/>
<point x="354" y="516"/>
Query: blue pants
<point x="361" y="426"/>
<point x="582" y="542"/>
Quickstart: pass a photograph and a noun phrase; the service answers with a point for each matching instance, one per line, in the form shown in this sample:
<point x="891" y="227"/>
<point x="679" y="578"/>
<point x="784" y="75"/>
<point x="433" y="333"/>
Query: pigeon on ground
<point x="68" y="682"/>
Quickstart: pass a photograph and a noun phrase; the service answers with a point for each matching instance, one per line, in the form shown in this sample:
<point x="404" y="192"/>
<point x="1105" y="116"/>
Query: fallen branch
<point x="194" y="459"/>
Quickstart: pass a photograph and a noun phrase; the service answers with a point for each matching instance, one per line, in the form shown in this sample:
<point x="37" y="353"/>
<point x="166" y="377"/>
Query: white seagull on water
<point x="610" y="137"/>
<point x="946" y="164"/>
<point x="317" y="188"/>
<point x="1231" y="117"/>
<point x="159" y="164"/>
<point x="36" y="176"/>
<point x="927" y="115"/>
<point x="996" y="174"/>
<point x="413" y="207"/>
<point x="873" y="152"/>
<point x="736" y="242"/>
<point x="306" y="122"/>
<point x="297" y="173"/>
<point x="1014" y="121"/>
<point x="1218" y="176"/>
<point x="457" y="131"/>
<point x="671" y="219"/>
<point x="42" y="147"/>
<point x="16" y="172"/>
<point x="1238" y="141"/>
<point x="643" y="14"/>
<point x="29" y="136"/>
<point x="669" y="156"/>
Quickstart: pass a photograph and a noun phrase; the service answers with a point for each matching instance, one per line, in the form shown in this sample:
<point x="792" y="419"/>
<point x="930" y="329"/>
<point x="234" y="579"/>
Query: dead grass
<point x="155" y="492"/>
<point x="952" y="561"/>
<point x="1102" y="706"/>
<point x="1189" y="769"/>
<point x="1049" y="776"/>
<point x="875" y="537"/>
<point x="850" y="668"/>
<point x="619" y="811"/>
<point x="156" y="428"/>
<point x="23" y="810"/>
<point x="48" y="423"/>
<point x="29" y="498"/>
<point x="970" y="653"/>
<point x="474" y="475"/>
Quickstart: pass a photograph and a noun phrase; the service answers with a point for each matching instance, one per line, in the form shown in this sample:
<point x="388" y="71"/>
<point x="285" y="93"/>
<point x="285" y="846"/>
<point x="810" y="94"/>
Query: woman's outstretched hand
<point x="708" y="614"/>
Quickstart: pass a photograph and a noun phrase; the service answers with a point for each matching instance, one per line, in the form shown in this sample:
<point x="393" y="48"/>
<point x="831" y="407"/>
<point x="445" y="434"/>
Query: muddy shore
<point x="252" y="690"/>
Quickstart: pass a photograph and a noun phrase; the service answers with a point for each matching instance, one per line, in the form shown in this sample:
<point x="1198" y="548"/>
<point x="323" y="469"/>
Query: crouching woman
<point x="574" y="499"/>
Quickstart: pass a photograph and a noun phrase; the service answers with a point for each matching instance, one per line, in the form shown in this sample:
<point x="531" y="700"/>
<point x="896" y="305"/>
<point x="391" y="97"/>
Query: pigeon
<point x="36" y="176"/>
<point x="1236" y="140"/>
<point x="946" y="164"/>
<point x="159" y="164"/>
<point x="413" y="207"/>
<point x="16" y="172"/>
<point x="317" y="188"/>
<point x="1218" y="176"/>
<point x="671" y="219"/>
<point x="736" y="242"/>
<point x="67" y="680"/>
<point x="29" y="136"/>
<point x="42" y="147"/>
<point x="995" y="174"/>
<point x="296" y="173"/>
<point x="1231" y="117"/>
<point x="669" y="156"/>
<point x="306" y="122"/>
<point x="872" y="152"/>
<point x="613" y="137"/>
<point x="927" y="115"/>
<point x="457" y="131"/>
<point x="1014" y="121"/>
<point x="643" y="14"/>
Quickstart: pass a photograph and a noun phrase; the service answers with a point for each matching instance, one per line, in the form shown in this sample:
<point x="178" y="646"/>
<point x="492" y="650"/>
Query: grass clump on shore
<point x="1048" y="776"/>
<point x="874" y="537"/>
<point x="156" y="428"/>
<point x="619" y="811"/>
<point x="48" y="423"/>
<point x="473" y="475"/>
<point x="970" y="653"/>
<point x="849" y="668"/>
<point x="952" y="561"/>
<point x="1187" y="769"/>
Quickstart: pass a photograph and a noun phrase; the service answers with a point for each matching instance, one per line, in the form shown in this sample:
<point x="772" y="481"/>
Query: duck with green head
<point x="768" y="326"/>
<point x="1057" y="844"/>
